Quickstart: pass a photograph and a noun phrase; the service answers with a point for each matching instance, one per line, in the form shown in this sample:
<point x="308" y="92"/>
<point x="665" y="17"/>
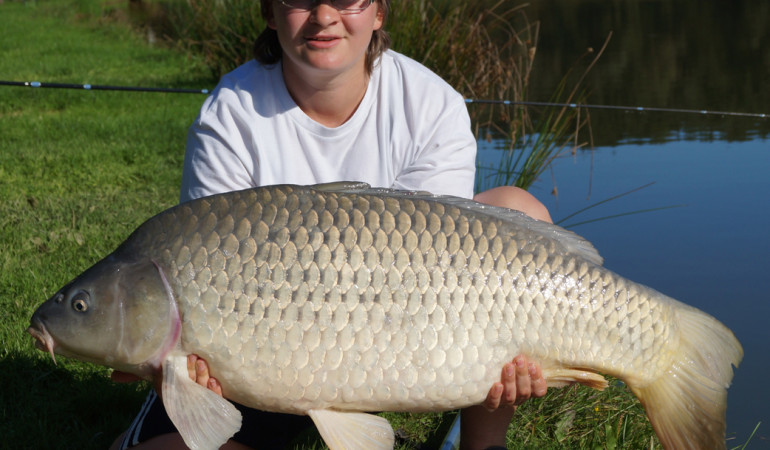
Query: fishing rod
<point x="96" y="87"/>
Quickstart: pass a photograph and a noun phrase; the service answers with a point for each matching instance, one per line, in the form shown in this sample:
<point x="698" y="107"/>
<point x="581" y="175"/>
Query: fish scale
<point x="307" y="253"/>
<point x="320" y="300"/>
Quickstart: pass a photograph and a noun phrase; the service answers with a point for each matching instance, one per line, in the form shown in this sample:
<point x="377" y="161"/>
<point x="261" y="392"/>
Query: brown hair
<point x="267" y="49"/>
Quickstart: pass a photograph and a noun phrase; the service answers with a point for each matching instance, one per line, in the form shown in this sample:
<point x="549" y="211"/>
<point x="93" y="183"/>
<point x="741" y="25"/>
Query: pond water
<point x="712" y="250"/>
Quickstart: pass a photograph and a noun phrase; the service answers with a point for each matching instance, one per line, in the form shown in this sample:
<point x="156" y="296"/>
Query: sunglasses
<point x="343" y="6"/>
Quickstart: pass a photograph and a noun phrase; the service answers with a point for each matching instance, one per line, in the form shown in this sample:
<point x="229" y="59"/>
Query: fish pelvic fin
<point x="204" y="419"/>
<point x="353" y="430"/>
<point x="686" y="405"/>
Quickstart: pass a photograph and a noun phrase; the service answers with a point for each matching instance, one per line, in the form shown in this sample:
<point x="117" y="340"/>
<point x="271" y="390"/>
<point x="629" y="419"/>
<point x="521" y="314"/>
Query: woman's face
<point x="322" y="41"/>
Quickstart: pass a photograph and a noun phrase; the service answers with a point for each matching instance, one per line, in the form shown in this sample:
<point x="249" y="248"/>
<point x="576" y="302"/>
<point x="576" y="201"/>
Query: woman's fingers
<point x="520" y="380"/>
<point x="198" y="369"/>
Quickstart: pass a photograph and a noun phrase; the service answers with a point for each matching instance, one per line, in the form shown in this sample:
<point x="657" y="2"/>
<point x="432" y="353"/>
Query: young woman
<point x="325" y="100"/>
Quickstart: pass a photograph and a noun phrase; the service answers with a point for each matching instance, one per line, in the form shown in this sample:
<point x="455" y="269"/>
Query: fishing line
<point x="96" y="87"/>
<point x="621" y="108"/>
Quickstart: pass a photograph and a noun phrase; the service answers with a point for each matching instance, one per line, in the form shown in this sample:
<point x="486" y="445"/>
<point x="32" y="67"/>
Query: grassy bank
<point x="80" y="169"/>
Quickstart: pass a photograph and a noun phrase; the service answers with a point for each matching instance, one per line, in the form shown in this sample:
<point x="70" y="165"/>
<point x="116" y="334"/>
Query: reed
<point x="221" y="32"/>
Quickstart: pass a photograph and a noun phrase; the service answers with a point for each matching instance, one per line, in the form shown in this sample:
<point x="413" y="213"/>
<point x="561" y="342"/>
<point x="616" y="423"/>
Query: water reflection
<point x="663" y="53"/>
<point x="713" y="252"/>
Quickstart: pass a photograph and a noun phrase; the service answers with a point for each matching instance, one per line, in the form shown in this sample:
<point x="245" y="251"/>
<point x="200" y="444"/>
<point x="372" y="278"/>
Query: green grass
<point x="573" y="417"/>
<point x="80" y="169"/>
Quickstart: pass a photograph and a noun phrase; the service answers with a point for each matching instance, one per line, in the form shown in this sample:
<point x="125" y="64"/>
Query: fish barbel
<point x="338" y="299"/>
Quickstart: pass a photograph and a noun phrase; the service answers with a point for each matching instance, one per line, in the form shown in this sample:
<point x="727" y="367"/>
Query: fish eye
<point x="80" y="302"/>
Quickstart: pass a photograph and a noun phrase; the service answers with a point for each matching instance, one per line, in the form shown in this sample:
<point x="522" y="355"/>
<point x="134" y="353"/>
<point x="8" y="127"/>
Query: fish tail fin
<point x="686" y="405"/>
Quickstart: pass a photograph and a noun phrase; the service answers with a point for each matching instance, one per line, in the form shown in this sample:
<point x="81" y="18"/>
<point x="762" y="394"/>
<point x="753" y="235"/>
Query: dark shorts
<point x="259" y="429"/>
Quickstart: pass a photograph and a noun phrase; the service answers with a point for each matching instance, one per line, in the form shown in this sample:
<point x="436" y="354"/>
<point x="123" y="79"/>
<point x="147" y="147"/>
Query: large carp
<point x="338" y="299"/>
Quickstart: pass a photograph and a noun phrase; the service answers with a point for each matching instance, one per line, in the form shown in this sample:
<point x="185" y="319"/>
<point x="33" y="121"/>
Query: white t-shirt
<point x="411" y="131"/>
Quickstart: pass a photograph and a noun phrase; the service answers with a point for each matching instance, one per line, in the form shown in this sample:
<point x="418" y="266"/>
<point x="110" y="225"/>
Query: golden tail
<point x="687" y="404"/>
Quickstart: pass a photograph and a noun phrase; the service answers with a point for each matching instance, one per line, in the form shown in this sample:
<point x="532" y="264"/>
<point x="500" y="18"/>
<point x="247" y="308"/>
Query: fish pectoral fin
<point x="204" y="419"/>
<point x="352" y="430"/>
<point x="564" y="376"/>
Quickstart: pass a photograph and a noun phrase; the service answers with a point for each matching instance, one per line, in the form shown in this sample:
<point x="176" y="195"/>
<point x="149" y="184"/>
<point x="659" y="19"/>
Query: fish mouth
<point x="43" y="339"/>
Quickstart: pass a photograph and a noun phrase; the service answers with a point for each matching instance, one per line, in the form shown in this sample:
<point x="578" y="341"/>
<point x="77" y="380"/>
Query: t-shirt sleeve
<point x="446" y="161"/>
<point x="216" y="159"/>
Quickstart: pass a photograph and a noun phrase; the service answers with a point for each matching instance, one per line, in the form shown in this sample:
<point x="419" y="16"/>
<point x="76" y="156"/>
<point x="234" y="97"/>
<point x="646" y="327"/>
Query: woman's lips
<point x="322" y="41"/>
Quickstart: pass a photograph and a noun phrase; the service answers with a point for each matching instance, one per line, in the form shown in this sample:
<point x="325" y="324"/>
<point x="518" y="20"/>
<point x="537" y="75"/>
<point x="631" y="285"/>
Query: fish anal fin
<point x="564" y="376"/>
<point x="204" y="419"/>
<point x="353" y="430"/>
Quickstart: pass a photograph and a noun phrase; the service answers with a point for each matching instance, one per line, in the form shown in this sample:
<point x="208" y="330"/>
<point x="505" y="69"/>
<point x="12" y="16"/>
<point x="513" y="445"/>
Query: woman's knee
<point x="515" y="198"/>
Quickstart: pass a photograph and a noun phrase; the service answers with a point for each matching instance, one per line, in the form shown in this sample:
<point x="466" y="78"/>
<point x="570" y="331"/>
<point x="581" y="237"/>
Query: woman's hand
<point x="520" y="380"/>
<point x="125" y="377"/>
<point x="198" y="369"/>
<point x="485" y="425"/>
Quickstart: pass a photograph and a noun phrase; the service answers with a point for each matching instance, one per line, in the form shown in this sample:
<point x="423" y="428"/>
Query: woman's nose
<point x="323" y="13"/>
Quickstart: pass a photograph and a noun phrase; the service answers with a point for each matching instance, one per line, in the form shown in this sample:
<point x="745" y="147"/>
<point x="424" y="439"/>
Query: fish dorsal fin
<point x="204" y="419"/>
<point x="570" y="242"/>
<point x="353" y="430"/>
<point x="342" y="186"/>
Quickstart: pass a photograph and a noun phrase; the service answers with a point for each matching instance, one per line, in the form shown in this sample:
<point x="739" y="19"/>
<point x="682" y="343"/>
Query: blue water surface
<point x="712" y="250"/>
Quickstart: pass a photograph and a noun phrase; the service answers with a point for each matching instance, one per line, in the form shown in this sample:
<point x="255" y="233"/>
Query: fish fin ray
<point x="342" y="186"/>
<point x="204" y="419"/>
<point x="686" y="405"/>
<point x="564" y="376"/>
<point x="351" y="430"/>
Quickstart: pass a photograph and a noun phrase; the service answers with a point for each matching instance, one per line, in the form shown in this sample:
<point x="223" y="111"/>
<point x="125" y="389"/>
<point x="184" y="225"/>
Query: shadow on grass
<point x="72" y="405"/>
